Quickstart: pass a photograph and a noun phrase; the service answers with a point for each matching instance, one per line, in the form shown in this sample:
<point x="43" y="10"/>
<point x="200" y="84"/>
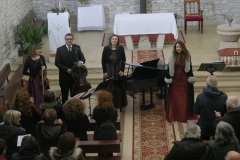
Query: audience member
<point x="66" y="149"/>
<point x="50" y="101"/>
<point x="29" y="115"/>
<point x="76" y="120"/>
<point x="49" y="131"/>
<point x="209" y="101"/>
<point x="3" y="148"/>
<point x="190" y="147"/>
<point x="29" y="150"/>
<point x="10" y="131"/>
<point x="224" y="141"/>
<point x="232" y="155"/>
<point x="232" y="116"/>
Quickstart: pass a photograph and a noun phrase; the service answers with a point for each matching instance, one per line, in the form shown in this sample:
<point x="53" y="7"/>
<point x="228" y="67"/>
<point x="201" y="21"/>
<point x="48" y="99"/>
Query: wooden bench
<point x="4" y="73"/>
<point x="32" y="20"/>
<point x="103" y="146"/>
<point x="14" y="84"/>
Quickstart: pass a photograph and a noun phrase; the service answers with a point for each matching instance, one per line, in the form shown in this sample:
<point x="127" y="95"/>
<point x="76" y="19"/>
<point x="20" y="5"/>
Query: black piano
<point x="147" y="75"/>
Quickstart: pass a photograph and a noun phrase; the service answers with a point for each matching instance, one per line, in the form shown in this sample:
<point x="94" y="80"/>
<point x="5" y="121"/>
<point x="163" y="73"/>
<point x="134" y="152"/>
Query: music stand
<point x="100" y="86"/>
<point x="212" y="67"/>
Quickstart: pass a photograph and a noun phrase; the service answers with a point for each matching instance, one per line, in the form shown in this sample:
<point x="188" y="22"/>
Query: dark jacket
<point x="48" y="135"/>
<point x="188" y="149"/>
<point x="209" y="100"/>
<point x="106" y="57"/>
<point x="65" y="61"/>
<point x="79" y="127"/>
<point x="75" y="154"/>
<point x="101" y="115"/>
<point x="219" y="152"/>
<point x="29" y="123"/>
<point x="28" y="155"/>
<point x="231" y="117"/>
<point x="55" y="105"/>
<point x="10" y="133"/>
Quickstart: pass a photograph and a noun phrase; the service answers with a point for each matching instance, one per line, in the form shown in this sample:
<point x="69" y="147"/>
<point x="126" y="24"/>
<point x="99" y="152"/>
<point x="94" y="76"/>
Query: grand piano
<point x="147" y="75"/>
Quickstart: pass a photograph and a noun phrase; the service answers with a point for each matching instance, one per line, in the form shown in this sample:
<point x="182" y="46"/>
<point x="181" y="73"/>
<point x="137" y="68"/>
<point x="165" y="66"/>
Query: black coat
<point x="10" y="133"/>
<point x="231" y="117"/>
<point x="64" y="61"/>
<point x="48" y="135"/>
<point x="28" y="155"/>
<point x="188" y="149"/>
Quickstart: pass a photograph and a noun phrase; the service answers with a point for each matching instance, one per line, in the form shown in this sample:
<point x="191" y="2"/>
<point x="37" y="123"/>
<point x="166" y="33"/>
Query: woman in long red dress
<point x="180" y="79"/>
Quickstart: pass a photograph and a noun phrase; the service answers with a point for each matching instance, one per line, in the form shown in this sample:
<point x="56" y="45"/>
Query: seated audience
<point x="29" y="150"/>
<point x="76" y="120"/>
<point x="232" y="116"/>
<point x="66" y="149"/>
<point x="10" y="131"/>
<point x="224" y="141"/>
<point x="50" y="101"/>
<point x="29" y="115"/>
<point x="207" y="102"/>
<point x="3" y="148"/>
<point x="104" y="111"/>
<point x="232" y="155"/>
<point x="49" y="131"/>
<point x="190" y="147"/>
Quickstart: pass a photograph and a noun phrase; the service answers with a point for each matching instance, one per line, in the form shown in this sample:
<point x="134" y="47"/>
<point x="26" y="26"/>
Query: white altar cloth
<point x="91" y="18"/>
<point x="152" y="23"/>
<point x="58" y="27"/>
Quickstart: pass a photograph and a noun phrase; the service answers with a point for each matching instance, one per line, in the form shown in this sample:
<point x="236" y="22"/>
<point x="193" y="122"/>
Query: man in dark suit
<point x="66" y="57"/>
<point x="232" y="116"/>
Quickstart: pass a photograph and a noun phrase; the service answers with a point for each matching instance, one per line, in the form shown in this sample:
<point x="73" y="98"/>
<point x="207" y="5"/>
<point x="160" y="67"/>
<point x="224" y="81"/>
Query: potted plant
<point x="29" y="35"/>
<point x="82" y="1"/>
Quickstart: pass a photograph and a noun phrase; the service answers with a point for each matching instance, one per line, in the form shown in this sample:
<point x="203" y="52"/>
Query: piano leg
<point x="150" y="105"/>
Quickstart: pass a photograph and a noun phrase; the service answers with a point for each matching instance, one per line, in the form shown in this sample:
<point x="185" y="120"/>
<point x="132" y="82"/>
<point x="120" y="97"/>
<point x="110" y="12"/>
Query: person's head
<point x="212" y="81"/>
<point x="73" y="109"/>
<point x="192" y="131"/>
<point x="69" y="39"/>
<point x="114" y="40"/>
<point x="34" y="50"/>
<point x="49" y="95"/>
<point x="224" y="134"/>
<point x="3" y="146"/>
<point x="67" y="142"/>
<point x="29" y="143"/>
<point x="232" y="103"/>
<point x="179" y="49"/>
<point x="105" y="100"/>
<point x="49" y="116"/>
<point x="22" y="103"/>
<point x="232" y="155"/>
<point x="12" y="117"/>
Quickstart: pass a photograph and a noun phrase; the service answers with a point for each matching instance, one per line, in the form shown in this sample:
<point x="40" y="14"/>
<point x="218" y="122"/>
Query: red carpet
<point x="139" y="56"/>
<point x="152" y="134"/>
<point x="169" y="38"/>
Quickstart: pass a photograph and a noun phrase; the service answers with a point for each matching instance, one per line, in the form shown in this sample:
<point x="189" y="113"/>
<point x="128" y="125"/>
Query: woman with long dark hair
<point x="113" y="65"/>
<point x="180" y="79"/>
<point x="34" y="63"/>
<point x="66" y="149"/>
<point x="29" y="150"/>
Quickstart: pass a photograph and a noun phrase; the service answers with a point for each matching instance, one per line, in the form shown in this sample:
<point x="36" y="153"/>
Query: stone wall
<point x="11" y="13"/>
<point x="214" y="10"/>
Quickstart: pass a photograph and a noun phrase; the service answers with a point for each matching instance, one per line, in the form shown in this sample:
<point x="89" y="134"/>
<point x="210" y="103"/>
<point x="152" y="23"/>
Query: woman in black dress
<point x="113" y="65"/>
<point x="34" y="63"/>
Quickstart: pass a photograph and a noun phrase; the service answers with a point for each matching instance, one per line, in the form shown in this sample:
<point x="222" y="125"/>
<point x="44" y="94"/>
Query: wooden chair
<point x="192" y="12"/>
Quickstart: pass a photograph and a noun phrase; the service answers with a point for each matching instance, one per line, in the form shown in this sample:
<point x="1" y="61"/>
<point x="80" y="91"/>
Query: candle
<point x="60" y="6"/>
<point x="55" y="5"/>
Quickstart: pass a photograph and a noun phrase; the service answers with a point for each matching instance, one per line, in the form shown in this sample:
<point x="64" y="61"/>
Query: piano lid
<point x="152" y="63"/>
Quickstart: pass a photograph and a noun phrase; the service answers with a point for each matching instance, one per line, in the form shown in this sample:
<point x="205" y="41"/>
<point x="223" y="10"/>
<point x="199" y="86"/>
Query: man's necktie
<point x="69" y="50"/>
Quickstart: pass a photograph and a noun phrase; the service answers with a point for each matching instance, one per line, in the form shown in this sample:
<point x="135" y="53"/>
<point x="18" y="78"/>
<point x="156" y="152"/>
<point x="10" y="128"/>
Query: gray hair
<point x="224" y="134"/>
<point x="212" y="81"/>
<point x="12" y="117"/>
<point x="192" y="131"/>
<point x="233" y="102"/>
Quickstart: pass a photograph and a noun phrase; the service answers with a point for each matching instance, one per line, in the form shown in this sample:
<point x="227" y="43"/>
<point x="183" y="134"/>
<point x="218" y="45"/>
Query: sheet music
<point x="19" y="140"/>
<point x="90" y="91"/>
